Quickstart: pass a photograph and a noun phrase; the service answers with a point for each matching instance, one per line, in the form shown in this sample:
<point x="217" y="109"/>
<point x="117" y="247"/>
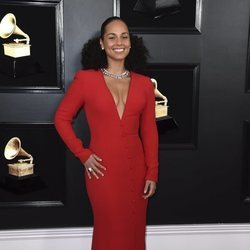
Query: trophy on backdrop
<point x="18" y="48"/>
<point x="23" y="166"/>
<point x="17" y="60"/>
<point x="161" y="108"/>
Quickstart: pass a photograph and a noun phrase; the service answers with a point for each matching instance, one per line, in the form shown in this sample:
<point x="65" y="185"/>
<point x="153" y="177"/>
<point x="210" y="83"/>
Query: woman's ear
<point x="101" y="44"/>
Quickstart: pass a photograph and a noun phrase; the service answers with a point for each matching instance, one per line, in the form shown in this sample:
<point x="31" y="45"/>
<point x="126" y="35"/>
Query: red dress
<point x="128" y="147"/>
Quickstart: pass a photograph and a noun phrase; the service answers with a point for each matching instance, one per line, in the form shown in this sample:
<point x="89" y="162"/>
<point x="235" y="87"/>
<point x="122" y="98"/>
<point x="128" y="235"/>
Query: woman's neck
<point x="116" y="68"/>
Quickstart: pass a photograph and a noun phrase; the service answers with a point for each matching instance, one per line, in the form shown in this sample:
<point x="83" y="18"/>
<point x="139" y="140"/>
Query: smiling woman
<point x="115" y="41"/>
<point x="93" y="57"/>
<point x="121" y="161"/>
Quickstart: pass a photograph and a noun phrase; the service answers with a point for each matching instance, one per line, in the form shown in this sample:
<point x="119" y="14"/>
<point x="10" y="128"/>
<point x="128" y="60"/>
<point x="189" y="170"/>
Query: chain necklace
<point x="125" y="74"/>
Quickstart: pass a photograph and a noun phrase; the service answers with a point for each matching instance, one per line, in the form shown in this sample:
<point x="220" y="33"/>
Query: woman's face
<point x="116" y="41"/>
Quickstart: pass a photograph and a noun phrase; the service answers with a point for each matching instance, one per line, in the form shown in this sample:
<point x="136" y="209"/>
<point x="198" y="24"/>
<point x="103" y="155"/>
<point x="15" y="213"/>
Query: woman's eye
<point x="111" y="37"/>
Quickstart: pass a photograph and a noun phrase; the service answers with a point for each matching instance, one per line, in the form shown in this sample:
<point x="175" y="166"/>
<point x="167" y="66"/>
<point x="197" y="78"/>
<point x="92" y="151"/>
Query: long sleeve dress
<point x="128" y="147"/>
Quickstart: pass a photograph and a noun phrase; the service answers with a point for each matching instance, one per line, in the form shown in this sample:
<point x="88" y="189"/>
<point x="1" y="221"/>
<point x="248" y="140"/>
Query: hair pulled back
<point x="93" y="57"/>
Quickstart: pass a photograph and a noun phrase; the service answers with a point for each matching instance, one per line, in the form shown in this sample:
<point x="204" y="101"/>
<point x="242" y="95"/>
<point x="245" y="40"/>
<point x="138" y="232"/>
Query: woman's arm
<point x="149" y="134"/>
<point x="65" y="113"/>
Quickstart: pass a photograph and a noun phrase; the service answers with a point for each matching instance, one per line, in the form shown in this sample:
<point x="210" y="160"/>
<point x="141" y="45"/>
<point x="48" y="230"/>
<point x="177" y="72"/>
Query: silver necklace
<point x="125" y="74"/>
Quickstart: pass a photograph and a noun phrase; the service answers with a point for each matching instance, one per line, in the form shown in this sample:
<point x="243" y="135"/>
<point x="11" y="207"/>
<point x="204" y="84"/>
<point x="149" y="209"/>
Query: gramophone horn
<point x="8" y="27"/>
<point x="13" y="149"/>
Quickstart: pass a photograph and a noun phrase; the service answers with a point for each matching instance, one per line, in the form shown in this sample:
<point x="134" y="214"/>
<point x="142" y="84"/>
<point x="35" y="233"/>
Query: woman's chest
<point x="103" y="100"/>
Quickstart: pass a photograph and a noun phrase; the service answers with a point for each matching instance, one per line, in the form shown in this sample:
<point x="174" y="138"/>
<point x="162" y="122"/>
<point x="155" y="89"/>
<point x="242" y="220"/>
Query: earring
<point x="102" y="48"/>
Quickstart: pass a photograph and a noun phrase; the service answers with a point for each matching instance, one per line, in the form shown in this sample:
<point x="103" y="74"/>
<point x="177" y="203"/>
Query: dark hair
<point x="93" y="57"/>
<point x="108" y="21"/>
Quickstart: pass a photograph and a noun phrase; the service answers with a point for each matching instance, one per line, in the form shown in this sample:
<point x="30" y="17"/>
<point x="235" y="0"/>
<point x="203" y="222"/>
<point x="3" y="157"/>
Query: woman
<point x="121" y="161"/>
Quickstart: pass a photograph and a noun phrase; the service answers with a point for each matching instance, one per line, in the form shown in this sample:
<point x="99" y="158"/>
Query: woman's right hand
<point x="94" y="167"/>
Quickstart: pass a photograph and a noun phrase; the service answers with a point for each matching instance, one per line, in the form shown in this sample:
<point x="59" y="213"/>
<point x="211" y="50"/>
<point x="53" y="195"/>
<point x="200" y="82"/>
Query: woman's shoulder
<point x="142" y="80"/>
<point x="85" y="73"/>
<point x="85" y="79"/>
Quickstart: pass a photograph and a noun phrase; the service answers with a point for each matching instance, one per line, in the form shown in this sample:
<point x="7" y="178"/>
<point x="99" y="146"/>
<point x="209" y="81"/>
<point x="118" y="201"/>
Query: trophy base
<point x="19" y="67"/>
<point x="21" y="169"/>
<point x="20" y="185"/>
<point x="16" y="50"/>
<point x="161" y="111"/>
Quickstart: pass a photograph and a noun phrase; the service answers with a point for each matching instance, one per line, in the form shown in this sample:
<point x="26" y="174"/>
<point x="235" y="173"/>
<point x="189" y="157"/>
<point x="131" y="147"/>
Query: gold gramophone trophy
<point x="23" y="167"/>
<point x="17" y="48"/>
<point x="161" y="108"/>
<point x="16" y="60"/>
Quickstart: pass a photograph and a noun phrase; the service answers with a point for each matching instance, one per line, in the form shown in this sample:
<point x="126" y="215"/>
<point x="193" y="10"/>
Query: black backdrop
<point x="205" y="182"/>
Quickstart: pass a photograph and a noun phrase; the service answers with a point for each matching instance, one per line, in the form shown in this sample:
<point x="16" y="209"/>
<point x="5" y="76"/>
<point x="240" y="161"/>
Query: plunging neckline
<point x="112" y="97"/>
